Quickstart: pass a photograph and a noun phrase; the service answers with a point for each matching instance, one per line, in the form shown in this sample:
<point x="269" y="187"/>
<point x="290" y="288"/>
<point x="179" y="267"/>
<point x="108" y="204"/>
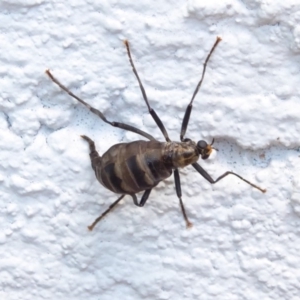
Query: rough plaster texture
<point x="244" y="244"/>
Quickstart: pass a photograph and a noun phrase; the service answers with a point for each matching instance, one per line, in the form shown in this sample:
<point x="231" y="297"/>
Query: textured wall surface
<point x="244" y="244"/>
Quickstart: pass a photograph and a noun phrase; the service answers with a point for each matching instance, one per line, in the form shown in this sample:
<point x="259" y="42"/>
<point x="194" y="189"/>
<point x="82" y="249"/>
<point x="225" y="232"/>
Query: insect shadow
<point x="130" y="168"/>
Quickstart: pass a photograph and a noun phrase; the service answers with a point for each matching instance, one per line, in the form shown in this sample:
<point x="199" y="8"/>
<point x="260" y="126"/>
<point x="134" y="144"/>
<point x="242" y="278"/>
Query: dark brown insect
<point x="129" y="168"/>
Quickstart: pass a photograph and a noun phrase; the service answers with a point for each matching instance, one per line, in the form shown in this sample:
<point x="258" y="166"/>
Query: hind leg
<point x="99" y="113"/>
<point x="91" y="227"/>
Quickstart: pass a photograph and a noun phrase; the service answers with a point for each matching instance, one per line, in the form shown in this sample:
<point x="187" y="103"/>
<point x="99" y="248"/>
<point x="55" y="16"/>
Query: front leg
<point x="200" y="170"/>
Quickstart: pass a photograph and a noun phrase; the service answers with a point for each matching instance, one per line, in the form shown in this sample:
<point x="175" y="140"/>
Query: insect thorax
<point x="180" y="155"/>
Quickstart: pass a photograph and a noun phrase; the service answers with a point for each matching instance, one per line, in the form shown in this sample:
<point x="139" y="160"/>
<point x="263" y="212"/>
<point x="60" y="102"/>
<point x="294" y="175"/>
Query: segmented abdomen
<point x="129" y="168"/>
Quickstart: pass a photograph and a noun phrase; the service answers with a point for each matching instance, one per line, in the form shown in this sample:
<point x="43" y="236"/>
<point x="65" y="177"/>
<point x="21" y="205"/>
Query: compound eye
<point x="202" y="144"/>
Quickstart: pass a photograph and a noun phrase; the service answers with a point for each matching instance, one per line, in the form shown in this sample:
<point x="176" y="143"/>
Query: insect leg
<point x="178" y="192"/>
<point x="143" y="199"/>
<point x="208" y="177"/>
<point x="91" y="227"/>
<point x="150" y="109"/>
<point x="99" y="113"/>
<point x="188" y="111"/>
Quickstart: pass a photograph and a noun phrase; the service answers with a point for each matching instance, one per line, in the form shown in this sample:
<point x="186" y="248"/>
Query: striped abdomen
<point x="129" y="168"/>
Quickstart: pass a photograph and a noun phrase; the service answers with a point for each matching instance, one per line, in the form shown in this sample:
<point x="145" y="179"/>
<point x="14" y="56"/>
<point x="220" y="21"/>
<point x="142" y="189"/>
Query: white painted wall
<point x="244" y="244"/>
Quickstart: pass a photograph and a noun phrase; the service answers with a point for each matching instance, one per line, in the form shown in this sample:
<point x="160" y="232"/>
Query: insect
<point x="130" y="168"/>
